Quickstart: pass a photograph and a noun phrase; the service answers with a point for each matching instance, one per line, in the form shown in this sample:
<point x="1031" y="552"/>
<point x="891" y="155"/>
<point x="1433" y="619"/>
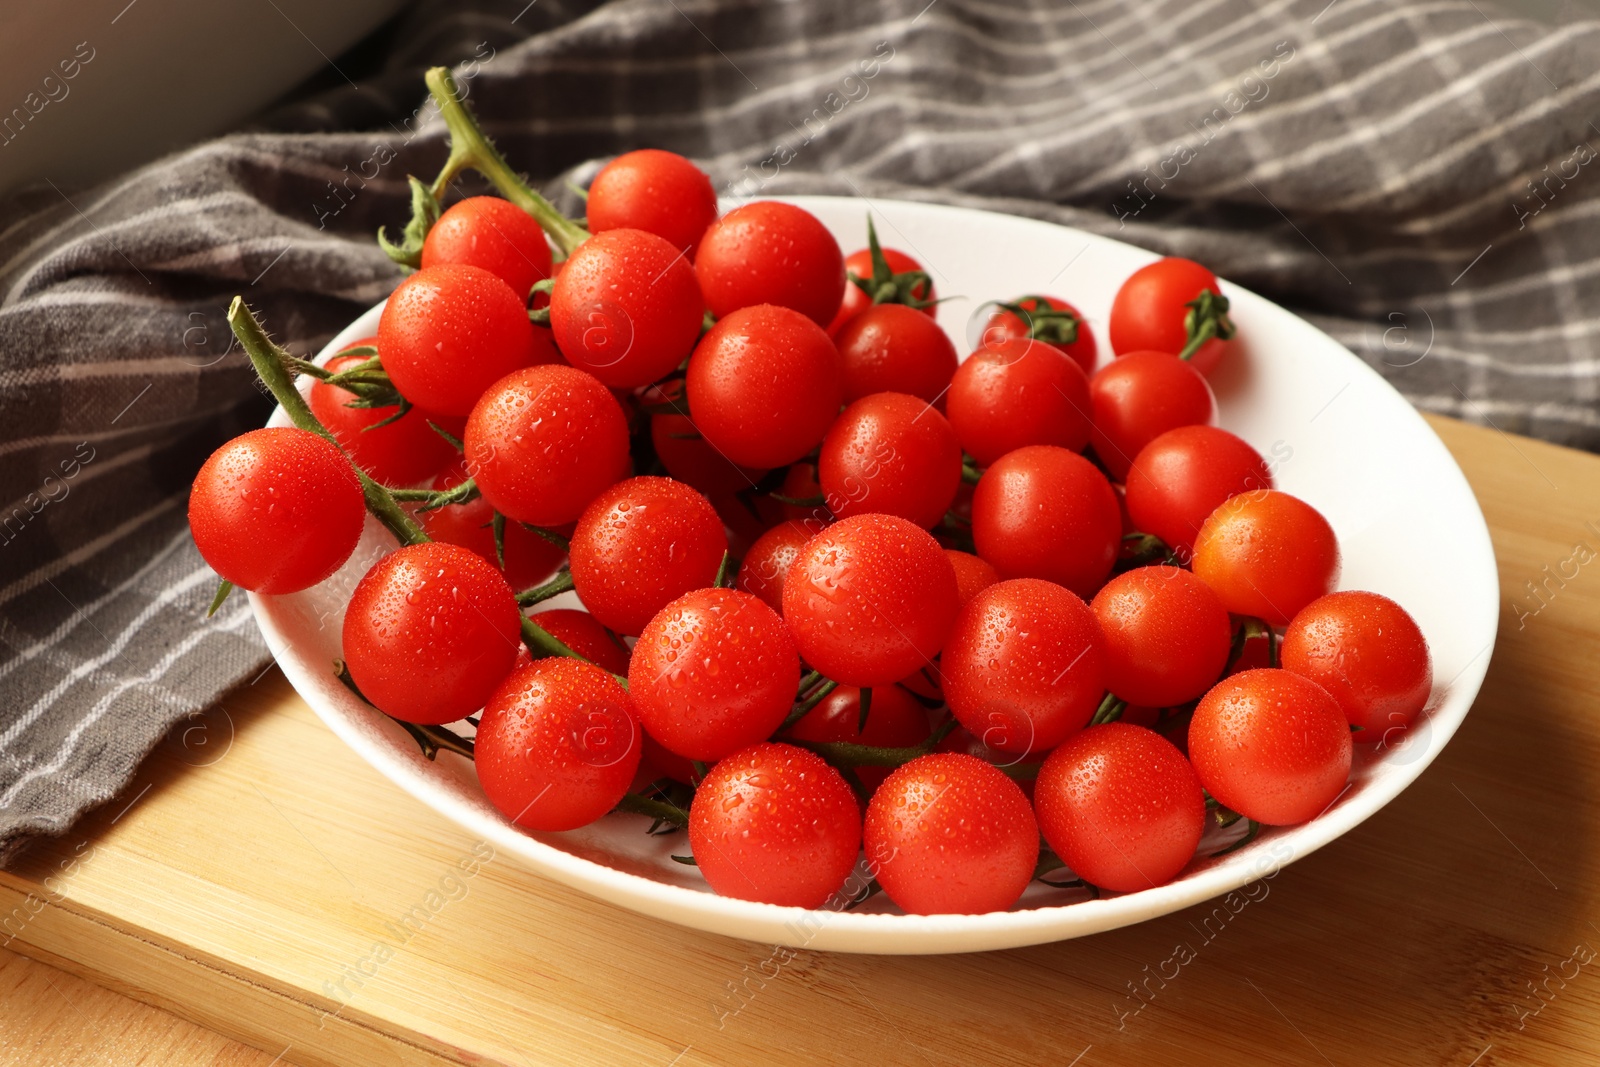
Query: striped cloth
<point x="1415" y="177"/>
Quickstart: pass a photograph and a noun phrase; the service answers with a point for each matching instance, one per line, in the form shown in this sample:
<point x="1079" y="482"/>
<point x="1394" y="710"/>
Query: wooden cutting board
<point x="260" y="880"/>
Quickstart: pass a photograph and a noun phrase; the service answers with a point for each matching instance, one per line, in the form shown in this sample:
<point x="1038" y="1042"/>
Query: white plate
<point x="1336" y="434"/>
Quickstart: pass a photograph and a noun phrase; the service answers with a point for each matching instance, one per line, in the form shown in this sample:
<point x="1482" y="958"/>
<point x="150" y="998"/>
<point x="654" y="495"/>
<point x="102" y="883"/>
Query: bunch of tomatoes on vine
<point x="845" y="598"/>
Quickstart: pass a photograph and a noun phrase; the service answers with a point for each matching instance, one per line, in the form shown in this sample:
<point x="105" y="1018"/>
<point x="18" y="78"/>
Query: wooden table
<point x="251" y="867"/>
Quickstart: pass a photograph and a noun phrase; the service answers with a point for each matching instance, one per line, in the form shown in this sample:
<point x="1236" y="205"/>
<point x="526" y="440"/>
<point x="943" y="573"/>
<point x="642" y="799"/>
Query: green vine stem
<point x="844" y="754"/>
<point x="817" y="696"/>
<point x="656" y="809"/>
<point x="561" y="583"/>
<point x="1110" y="710"/>
<point x="470" y="148"/>
<point x="272" y="366"/>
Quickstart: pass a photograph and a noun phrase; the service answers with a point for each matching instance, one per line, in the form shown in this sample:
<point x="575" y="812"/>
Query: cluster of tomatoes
<point x="978" y="601"/>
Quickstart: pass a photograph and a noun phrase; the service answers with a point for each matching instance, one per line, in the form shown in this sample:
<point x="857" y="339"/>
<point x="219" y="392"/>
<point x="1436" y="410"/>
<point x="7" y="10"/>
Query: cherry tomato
<point x="530" y="559"/>
<point x="771" y="253"/>
<point x="1045" y="512"/>
<point x="1018" y="393"/>
<point x="544" y="442"/>
<point x="1006" y="324"/>
<point x="894" y="720"/>
<point x="1271" y="745"/>
<point x="655" y="191"/>
<point x="625" y="307"/>
<point x="870" y="599"/>
<point x="767" y="563"/>
<point x="763" y="386"/>
<point x="1167" y="636"/>
<point x="775" y="824"/>
<point x="892" y="348"/>
<point x="800" y="483"/>
<point x="276" y="510"/>
<point x="430" y="632"/>
<point x="640" y="544"/>
<point x="973" y="575"/>
<point x="890" y="453"/>
<point x="1139" y="397"/>
<point x="950" y="834"/>
<point x="692" y="460"/>
<point x="1181" y="477"/>
<point x="856" y="301"/>
<point x="579" y="631"/>
<point x="713" y="672"/>
<point x="492" y="233"/>
<point x="449" y="332"/>
<point x="1267" y="554"/>
<point x="399" y="453"/>
<point x="1121" y="806"/>
<point x="558" y="745"/>
<point x="1150" y="308"/>
<point x="1024" y="667"/>
<point x="1368" y="653"/>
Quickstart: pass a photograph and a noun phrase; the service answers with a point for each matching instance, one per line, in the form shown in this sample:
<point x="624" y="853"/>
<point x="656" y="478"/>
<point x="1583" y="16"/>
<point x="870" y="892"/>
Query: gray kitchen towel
<point x="1417" y="178"/>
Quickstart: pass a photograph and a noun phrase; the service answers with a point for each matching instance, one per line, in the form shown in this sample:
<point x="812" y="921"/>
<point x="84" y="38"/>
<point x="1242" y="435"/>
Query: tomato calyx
<point x="1206" y="319"/>
<point x="223" y="589"/>
<point x="541" y="316"/>
<point x="1110" y="709"/>
<point x="727" y="570"/>
<point x="1143" y="550"/>
<point x="425" y="211"/>
<point x="1045" y="322"/>
<point x="971" y="473"/>
<point x="887" y="287"/>
<point x="664" y="812"/>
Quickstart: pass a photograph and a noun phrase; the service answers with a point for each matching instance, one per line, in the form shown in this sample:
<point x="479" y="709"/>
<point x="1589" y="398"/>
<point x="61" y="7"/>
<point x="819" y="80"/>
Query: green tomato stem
<point x="470" y="148"/>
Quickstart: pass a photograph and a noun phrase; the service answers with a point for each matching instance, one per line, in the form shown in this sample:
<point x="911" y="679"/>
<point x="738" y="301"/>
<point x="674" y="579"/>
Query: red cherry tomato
<point x="1150" y="308"/>
<point x="891" y="348"/>
<point x="870" y="599"/>
<point x="1121" y="806"/>
<point x="530" y="559"/>
<point x="558" y="745"/>
<point x="973" y="575"/>
<point x="767" y="563"/>
<point x="763" y="386"/>
<point x="691" y="459"/>
<point x="800" y="483"/>
<point x="771" y="253"/>
<point x="1005" y="325"/>
<point x="950" y="834"/>
<point x="890" y="453"/>
<point x="668" y="764"/>
<point x="775" y="824"/>
<point x="1167" y="636"/>
<point x="1139" y="397"/>
<point x="544" y="442"/>
<point x="1018" y="393"/>
<point x="625" y="307"/>
<point x="1045" y="512"/>
<point x="492" y="233"/>
<point x="449" y="332"/>
<point x="430" y="632"/>
<point x="1181" y="477"/>
<point x="1267" y="554"/>
<point x="894" y="720"/>
<point x="399" y="453"/>
<point x="1271" y="745"/>
<point x="579" y="631"/>
<point x="655" y="191"/>
<point x="856" y="301"/>
<point x="715" y="671"/>
<point x="276" y="510"/>
<point x="1369" y="654"/>
<point x="1024" y="666"/>
<point x="640" y="544"/>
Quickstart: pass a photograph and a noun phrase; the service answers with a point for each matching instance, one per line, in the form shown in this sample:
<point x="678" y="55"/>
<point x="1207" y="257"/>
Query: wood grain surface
<point x="257" y="879"/>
